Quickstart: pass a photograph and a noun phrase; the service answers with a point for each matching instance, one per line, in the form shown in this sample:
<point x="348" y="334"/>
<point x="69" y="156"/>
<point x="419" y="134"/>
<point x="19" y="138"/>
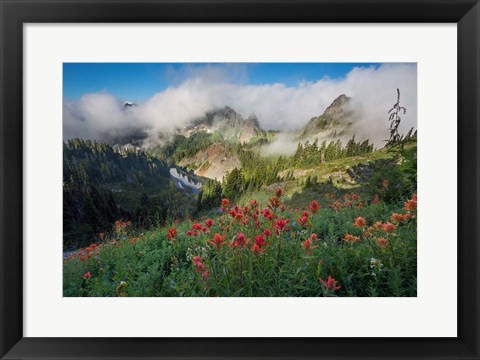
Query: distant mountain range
<point x="336" y="119"/>
<point x="206" y="143"/>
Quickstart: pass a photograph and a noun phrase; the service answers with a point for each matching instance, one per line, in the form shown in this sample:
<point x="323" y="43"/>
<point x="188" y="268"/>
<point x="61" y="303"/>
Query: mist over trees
<point x="102" y="184"/>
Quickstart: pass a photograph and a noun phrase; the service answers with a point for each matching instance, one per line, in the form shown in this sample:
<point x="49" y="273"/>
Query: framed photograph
<point x="239" y="179"/>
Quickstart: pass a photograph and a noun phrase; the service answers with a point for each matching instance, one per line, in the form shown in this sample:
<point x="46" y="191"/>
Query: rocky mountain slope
<point x="226" y="122"/>
<point x="336" y="118"/>
<point x="213" y="162"/>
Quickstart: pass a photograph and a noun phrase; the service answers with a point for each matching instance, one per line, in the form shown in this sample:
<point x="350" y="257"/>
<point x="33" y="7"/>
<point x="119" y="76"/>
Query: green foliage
<point x="210" y="195"/>
<point x="389" y="181"/>
<point x="394" y="117"/>
<point x="188" y="265"/>
<point x="308" y="155"/>
<point x="102" y="184"/>
<point x="409" y="163"/>
<point x="233" y="184"/>
<point x="182" y="147"/>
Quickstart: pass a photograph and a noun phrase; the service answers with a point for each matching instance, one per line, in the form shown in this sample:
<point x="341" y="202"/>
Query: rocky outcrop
<point x="226" y="122"/>
<point x="335" y="117"/>
<point x="213" y="162"/>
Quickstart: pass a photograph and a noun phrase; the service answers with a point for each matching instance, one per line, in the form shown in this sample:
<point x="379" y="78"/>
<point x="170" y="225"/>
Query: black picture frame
<point x="14" y="13"/>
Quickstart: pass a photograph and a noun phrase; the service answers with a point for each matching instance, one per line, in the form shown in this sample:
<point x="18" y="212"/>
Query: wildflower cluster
<point x="330" y="284"/>
<point x="172" y="233"/>
<point x="200" y="268"/>
<point x="259" y="249"/>
<point x="379" y="232"/>
<point x="120" y="228"/>
<point x="348" y="201"/>
<point x="308" y="244"/>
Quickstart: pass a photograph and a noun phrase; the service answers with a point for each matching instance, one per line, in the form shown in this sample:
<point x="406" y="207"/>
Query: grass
<point x="266" y="249"/>
<point x="297" y="194"/>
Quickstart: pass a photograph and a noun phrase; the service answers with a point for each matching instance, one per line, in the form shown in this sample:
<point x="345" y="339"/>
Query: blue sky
<point x="139" y="81"/>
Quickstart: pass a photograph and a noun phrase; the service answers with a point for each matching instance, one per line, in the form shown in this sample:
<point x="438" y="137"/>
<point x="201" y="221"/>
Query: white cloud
<point x="102" y="117"/>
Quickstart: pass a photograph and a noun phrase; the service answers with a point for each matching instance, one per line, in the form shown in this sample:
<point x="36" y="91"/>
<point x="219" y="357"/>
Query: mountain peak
<point x="337" y="105"/>
<point x="227" y="122"/>
<point x="127" y="104"/>
<point x="252" y="119"/>
<point x="335" y="114"/>
<point x="223" y="113"/>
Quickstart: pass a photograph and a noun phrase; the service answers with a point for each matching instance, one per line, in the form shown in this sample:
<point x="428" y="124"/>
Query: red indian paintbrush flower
<point x="337" y="205"/>
<point x="382" y="242"/>
<point x="274" y="202"/>
<point x="307" y="246"/>
<point x="411" y="205"/>
<point x="257" y="249"/>
<point x="279" y="192"/>
<point x="197" y="227"/>
<point x="260" y="241"/>
<point x="225" y="204"/>
<point x="197" y="261"/>
<point x="218" y="241"/>
<point x="200" y="268"/>
<point x="205" y="275"/>
<point x="303" y="220"/>
<point x="314" y="207"/>
<point x="351" y="239"/>
<point x="209" y="223"/>
<point x="172" y="233"/>
<point x="330" y="284"/>
<point x="359" y="222"/>
<point x="240" y="241"/>
<point x="258" y="246"/>
<point x="396" y="218"/>
<point x="280" y="224"/>
<point x="87" y="275"/>
<point x="267" y="214"/>
<point x="388" y="227"/>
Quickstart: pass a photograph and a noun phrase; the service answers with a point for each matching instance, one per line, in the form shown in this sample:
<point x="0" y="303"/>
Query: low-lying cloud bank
<point x="103" y="117"/>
